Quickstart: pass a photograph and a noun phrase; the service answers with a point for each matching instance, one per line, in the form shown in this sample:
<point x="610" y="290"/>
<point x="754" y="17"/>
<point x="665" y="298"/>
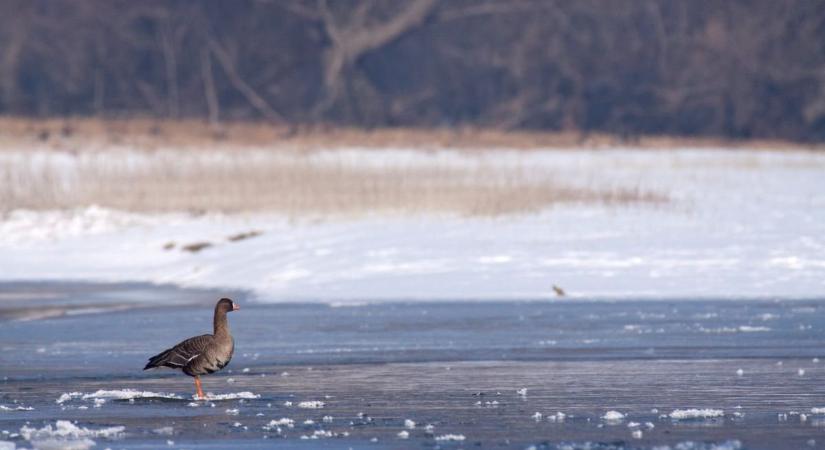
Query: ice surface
<point x="745" y="223"/>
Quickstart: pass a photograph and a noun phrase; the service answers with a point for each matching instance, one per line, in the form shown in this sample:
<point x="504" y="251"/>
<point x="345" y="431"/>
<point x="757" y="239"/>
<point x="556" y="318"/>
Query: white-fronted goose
<point x="204" y="354"/>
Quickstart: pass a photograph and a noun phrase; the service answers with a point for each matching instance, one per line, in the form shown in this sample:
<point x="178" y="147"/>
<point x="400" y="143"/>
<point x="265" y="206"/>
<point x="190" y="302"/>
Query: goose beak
<point x="235" y="306"/>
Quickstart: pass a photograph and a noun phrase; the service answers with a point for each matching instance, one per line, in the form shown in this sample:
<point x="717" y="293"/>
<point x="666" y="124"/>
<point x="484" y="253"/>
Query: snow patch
<point x="450" y="437"/>
<point x="16" y="408"/>
<point x="683" y="414"/>
<point x="282" y="421"/>
<point x="245" y="395"/>
<point x="613" y="416"/>
<point x="314" y="404"/>
<point x="66" y="435"/>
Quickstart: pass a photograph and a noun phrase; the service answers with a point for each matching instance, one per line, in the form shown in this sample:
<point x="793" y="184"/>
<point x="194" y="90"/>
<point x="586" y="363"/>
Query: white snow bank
<point x="680" y="414"/>
<point x="66" y="435"/>
<point x="747" y="224"/>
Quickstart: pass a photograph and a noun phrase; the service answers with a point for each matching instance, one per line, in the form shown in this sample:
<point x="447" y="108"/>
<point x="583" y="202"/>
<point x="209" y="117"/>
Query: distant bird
<point x="204" y="354"/>
<point x="559" y="291"/>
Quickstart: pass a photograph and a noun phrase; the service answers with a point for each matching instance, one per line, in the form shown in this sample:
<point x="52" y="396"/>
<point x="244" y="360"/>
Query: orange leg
<point x="198" y="387"/>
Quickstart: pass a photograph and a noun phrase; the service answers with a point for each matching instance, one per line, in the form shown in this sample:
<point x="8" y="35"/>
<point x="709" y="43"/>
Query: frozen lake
<point x="318" y="376"/>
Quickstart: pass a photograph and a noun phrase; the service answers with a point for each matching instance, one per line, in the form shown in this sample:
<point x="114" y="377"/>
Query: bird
<point x="559" y="291"/>
<point x="201" y="355"/>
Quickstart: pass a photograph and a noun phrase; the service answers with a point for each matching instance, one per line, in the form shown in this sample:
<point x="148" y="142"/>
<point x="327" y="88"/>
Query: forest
<point x="741" y="69"/>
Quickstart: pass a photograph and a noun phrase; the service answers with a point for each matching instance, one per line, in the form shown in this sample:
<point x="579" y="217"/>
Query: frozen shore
<point x="737" y="224"/>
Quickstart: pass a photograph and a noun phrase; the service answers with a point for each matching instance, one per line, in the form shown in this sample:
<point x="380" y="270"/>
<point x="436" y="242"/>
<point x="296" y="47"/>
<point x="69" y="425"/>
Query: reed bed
<point x="289" y="183"/>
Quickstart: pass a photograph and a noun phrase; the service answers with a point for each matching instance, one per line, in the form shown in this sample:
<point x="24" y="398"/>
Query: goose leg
<point x="198" y="387"/>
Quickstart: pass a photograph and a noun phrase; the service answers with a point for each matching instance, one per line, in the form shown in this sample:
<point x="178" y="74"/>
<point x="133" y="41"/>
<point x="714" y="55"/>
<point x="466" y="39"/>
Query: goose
<point x="201" y="355"/>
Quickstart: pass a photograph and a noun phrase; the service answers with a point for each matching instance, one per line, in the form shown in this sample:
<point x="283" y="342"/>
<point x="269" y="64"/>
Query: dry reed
<point x="291" y="184"/>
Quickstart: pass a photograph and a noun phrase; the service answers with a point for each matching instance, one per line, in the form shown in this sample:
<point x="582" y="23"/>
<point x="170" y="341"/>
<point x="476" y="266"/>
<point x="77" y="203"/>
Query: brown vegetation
<point x="83" y="135"/>
<point x="230" y="178"/>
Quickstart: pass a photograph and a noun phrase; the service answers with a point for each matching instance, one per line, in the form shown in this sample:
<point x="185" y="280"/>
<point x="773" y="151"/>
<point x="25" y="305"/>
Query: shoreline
<point x="94" y="134"/>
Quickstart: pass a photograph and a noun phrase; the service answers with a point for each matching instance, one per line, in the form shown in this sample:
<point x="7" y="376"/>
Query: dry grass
<point x="291" y="184"/>
<point x="82" y="135"/>
<point x="260" y="168"/>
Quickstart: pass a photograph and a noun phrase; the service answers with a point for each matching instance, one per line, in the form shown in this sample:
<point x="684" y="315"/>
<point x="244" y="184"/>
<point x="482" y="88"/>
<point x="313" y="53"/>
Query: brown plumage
<point x="204" y="354"/>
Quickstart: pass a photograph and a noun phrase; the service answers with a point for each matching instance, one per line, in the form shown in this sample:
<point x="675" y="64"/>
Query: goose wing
<point x="180" y="355"/>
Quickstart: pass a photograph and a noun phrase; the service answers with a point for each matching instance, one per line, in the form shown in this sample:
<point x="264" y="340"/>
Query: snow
<point x="681" y="414"/>
<point x="66" y="435"/>
<point x="737" y="224"/>
<point x="16" y="408"/>
<point x="450" y="437"/>
<point x="613" y="416"/>
<point x="315" y="404"/>
<point x="284" y="421"/>
<point x="99" y="397"/>
<point x="245" y="395"/>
